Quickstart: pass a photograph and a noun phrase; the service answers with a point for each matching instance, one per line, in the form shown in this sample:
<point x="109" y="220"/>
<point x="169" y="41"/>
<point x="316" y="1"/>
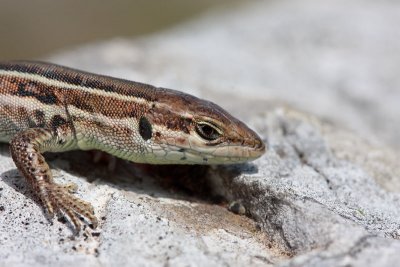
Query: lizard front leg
<point x="26" y="148"/>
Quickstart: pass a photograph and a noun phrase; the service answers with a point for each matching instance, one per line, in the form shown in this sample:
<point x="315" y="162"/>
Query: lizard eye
<point x="207" y="131"/>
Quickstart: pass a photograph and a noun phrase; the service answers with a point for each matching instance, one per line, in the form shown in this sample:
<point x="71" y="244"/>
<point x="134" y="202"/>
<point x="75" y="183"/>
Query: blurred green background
<point x="32" y="29"/>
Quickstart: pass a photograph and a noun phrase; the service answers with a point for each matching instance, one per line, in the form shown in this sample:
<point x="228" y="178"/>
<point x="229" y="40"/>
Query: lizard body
<point x="50" y="108"/>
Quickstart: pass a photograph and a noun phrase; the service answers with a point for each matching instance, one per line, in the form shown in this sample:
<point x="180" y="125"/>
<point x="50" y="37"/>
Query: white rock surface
<point x="327" y="192"/>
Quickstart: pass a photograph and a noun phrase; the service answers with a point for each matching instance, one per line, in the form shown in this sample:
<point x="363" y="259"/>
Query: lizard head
<point x="183" y="129"/>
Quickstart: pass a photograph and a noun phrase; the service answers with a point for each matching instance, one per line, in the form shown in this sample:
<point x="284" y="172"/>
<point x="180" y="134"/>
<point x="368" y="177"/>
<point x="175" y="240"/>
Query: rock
<point x="319" y="207"/>
<point x="326" y="193"/>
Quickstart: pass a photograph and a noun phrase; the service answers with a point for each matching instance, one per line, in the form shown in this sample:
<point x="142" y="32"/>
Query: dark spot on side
<point x="30" y="90"/>
<point x="205" y="159"/>
<point x="56" y="122"/>
<point x="145" y="128"/>
<point x="181" y="150"/>
<point x="183" y="158"/>
<point x="170" y="125"/>
<point x="40" y="118"/>
<point x="158" y="134"/>
<point x="31" y="123"/>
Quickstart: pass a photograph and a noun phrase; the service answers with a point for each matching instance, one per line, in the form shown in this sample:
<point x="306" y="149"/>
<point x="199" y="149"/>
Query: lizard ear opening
<point x="145" y="128"/>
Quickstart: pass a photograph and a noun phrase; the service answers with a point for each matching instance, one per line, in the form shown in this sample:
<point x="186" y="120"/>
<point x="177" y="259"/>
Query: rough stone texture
<point x="317" y="79"/>
<point x="324" y="209"/>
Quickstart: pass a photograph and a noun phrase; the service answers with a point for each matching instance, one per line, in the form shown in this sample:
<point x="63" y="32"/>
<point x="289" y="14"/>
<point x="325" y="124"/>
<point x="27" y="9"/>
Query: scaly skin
<point x="49" y="108"/>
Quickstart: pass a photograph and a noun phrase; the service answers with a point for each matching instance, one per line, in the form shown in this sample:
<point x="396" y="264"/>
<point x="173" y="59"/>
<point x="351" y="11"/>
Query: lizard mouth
<point x="221" y="155"/>
<point x="226" y="155"/>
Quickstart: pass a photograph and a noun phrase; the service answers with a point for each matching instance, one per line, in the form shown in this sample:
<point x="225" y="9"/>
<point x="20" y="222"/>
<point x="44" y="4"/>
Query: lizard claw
<point x="60" y="197"/>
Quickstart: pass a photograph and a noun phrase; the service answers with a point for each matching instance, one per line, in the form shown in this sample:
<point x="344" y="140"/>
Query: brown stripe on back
<point x="85" y="79"/>
<point x="52" y="95"/>
<point x="97" y="104"/>
<point x="25" y="88"/>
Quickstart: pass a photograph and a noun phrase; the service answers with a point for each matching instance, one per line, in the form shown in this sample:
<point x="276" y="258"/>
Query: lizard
<point x="46" y="107"/>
